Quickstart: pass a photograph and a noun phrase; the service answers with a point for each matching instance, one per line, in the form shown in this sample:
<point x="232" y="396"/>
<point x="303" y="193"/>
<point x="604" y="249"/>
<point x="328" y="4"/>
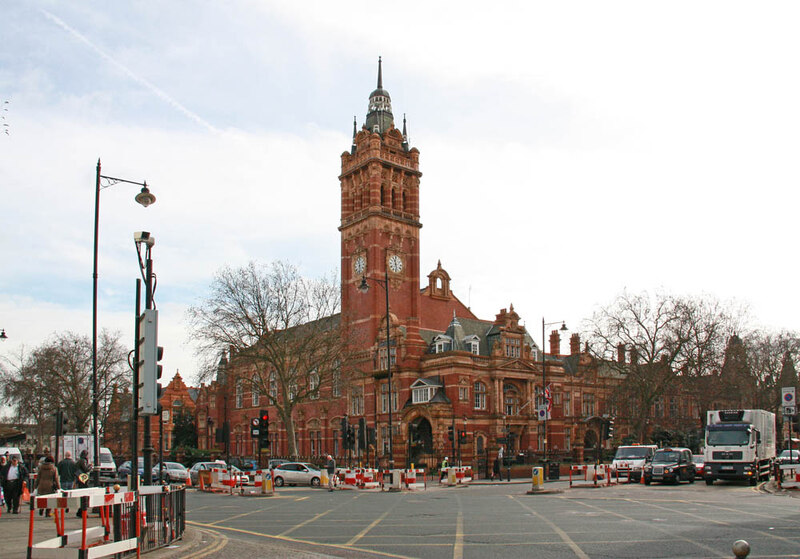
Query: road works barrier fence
<point x="455" y="475"/>
<point x="130" y="521"/>
<point x="594" y="475"/>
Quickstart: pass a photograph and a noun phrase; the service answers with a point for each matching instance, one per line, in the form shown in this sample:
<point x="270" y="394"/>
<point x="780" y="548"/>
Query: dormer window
<point x="442" y="343"/>
<point x="422" y="395"/>
<point x="473" y="345"/>
<point x="424" y="390"/>
<point x="513" y="347"/>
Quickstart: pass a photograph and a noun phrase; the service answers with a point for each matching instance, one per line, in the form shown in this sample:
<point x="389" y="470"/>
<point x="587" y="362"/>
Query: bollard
<point x="537" y="478"/>
<point x="741" y="549"/>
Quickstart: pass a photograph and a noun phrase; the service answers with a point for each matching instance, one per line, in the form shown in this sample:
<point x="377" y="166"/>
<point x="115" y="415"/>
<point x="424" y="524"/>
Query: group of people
<point x="50" y="477"/>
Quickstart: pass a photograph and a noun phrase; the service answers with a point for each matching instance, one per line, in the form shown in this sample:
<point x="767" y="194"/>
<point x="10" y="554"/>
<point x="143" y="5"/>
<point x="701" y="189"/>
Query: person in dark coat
<point x="47" y="480"/>
<point x="13" y="474"/>
<point x="67" y="471"/>
<point x="83" y="468"/>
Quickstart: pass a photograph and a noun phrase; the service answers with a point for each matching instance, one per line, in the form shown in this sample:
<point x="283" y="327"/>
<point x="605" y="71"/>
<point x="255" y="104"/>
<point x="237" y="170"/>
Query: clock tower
<point x="380" y="228"/>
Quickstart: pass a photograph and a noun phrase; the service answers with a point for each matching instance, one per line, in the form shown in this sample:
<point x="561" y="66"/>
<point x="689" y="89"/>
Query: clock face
<point x="395" y="263"/>
<point x="360" y="264"/>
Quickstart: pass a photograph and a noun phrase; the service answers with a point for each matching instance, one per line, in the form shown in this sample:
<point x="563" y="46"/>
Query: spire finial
<point x="380" y="74"/>
<point x="354" y="127"/>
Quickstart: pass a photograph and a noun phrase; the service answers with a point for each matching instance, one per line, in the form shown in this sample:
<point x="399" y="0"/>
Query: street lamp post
<point x="364" y="287"/>
<point x="544" y="383"/>
<point x="145" y="198"/>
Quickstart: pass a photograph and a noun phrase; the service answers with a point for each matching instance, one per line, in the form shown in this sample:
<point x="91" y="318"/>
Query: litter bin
<point x="553" y="471"/>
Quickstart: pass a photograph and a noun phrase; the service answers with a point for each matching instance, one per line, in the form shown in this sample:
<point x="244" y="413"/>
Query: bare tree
<point x="770" y="360"/>
<point x="708" y="324"/>
<point x="283" y="334"/>
<point x="57" y="375"/>
<point x="653" y="331"/>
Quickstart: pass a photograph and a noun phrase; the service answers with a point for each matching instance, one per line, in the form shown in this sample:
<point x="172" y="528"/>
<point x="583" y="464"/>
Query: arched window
<point x="480" y="396"/>
<point x="510" y="399"/>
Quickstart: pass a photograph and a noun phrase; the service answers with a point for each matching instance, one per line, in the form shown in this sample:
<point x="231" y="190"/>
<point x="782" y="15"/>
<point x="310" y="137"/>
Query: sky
<point x="569" y="151"/>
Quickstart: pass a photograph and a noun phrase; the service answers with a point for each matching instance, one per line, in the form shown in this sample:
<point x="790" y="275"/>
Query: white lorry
<point x="630" y="460"/>
<point x="75" y="443"/>
<point x="740" y="445"/>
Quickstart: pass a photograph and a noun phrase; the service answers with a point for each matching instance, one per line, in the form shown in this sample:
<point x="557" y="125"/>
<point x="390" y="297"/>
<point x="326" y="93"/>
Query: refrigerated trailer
<point x="740" y="445"/>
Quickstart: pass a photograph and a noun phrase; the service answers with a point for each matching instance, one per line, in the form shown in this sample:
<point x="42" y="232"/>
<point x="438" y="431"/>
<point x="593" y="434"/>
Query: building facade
<point x="451" y="371"/>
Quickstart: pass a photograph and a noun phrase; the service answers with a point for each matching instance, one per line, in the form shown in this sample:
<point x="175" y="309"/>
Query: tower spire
<point x="405" y="133"/>
<point x="379" y="116"/>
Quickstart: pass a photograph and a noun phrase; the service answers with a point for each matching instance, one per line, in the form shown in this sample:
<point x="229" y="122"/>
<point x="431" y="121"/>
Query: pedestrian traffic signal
<point x="450" y="434"/>
<point x="344" y="429"/>
<point x="362" y="433"/>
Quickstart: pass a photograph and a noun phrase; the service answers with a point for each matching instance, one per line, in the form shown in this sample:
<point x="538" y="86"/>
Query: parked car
<point x="670" y="465"/>
<point x="294" y="473"/>
<point x="789" y="457"/>
<point x="124" y="469"/>
<point x="699" y="465"/>
<point x="275" y="462"/>
<point x="171" y="472"/>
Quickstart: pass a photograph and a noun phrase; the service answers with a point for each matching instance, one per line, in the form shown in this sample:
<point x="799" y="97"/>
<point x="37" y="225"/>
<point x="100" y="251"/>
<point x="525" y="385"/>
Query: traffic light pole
<point x="147" y="446"/>
<point x="135" y="407"/>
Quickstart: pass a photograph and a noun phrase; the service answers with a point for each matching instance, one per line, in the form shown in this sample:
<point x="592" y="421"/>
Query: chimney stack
<point x="555" y="343"/>
<point x="575" y="344"/>
<point x="620" y="353"/>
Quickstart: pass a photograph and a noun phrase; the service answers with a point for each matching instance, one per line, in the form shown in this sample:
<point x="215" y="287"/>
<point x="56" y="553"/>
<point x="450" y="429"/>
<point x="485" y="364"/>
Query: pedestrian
<point x="83" y="468"/>
<point x="14" y="475"/>
<point x="496" y="469"/>
<point x="331" y="467"/>
<point x="47" y="480"/>
<point x="67" y="471"/>
<point x="443" y="471"/>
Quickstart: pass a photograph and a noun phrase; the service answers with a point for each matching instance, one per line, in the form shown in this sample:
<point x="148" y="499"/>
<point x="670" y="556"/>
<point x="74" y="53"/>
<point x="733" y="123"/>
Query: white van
<point x="11" y="451"/>
<point x="107" y="466"/>
<point x="630" y="460"/>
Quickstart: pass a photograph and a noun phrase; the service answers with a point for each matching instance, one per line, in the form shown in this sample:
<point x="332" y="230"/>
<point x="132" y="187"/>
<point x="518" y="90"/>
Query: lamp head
<point x="144" y="237"/>
<point x="364" y="286"/>
<point x="145" y="198"/>
<point x="563" y="327"/>
<point x="3" y="336"/>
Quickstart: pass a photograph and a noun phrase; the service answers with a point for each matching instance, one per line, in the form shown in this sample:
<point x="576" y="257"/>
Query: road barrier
<point x="415" y="479"/>
<point x="592" y="474"/>
<point x="129" y="521"/>
<point x="261" y="483"/>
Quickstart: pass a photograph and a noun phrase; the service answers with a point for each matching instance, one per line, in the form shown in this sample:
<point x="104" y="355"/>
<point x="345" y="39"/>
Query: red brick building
<point x="450" y="368"/>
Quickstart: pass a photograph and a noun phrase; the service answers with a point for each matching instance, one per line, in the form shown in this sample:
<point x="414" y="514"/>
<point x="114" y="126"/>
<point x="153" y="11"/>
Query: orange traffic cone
<point x="189" y="481"/>
<point x="200" y="479"/>
<point x="641" y="477"/>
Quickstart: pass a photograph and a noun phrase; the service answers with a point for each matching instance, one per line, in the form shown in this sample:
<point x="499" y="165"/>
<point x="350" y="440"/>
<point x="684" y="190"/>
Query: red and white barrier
<point x="369" y="478"/>
<point x="415" y="479"/>
<point x="595" y="475"/>
<point x="91" y="541"/>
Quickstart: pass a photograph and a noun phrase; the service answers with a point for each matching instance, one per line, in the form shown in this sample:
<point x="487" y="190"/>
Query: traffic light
<point x="351" y="437"/>
<point x="372" y="436"/>
<point x="450" y="434"/>
<point x="462" y="437"/>
<point x="61" y="423"/>
<point x="608" y="429"/>
<point x="362" y="433"/>
<point x="263" y="422"/>
<point x="344" y="429"/>
<point x="150" y="353"/>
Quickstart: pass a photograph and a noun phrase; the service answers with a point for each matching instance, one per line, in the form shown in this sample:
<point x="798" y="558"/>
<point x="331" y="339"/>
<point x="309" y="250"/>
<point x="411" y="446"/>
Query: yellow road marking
<point x="301" y="498"/>
<point x="295" y="540"/>
<point x="219" y="544"/>
<point x="361" y="534"/>
<point x="561" y="533"/>
<point x="458" y="548"/>
<point x="312" y="519"/>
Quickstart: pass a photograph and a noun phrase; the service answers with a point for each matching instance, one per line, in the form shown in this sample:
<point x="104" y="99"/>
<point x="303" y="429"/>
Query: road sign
<point x="787" y="396"/>
<point x="789" y="410"/>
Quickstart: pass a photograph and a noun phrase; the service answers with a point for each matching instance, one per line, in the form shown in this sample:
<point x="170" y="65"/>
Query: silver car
<point x="294" y="473"/>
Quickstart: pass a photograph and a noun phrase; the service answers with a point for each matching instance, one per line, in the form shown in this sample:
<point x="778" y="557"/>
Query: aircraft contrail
<point x="127" y="71"/>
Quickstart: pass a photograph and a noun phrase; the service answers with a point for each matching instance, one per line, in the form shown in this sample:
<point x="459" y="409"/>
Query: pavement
<point x="14" y="528"/>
